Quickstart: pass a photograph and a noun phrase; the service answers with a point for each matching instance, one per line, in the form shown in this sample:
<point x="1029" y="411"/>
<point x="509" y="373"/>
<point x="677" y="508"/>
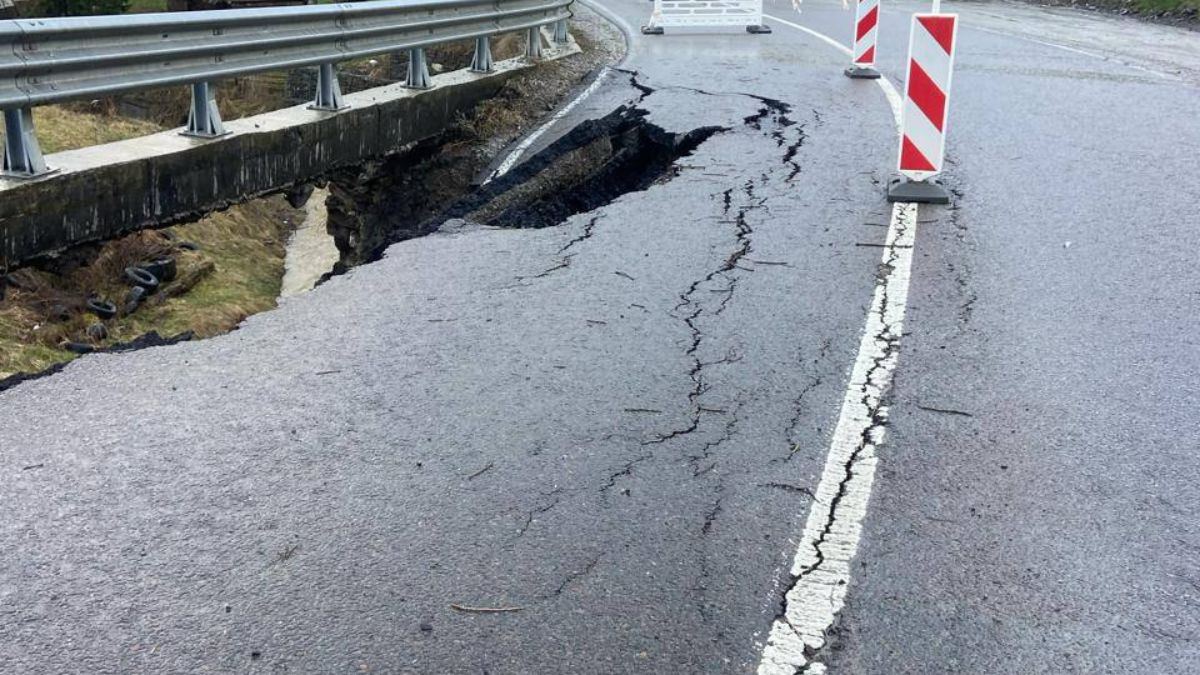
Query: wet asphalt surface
<point x="610" y="427"/>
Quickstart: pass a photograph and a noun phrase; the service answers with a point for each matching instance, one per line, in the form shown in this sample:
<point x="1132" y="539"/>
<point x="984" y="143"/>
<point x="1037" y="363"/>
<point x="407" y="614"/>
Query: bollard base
<point x="862" y="73"/>
<point x="761" y="29"/>
<point x="921" y="192"/>
<point x="652" y="30"/>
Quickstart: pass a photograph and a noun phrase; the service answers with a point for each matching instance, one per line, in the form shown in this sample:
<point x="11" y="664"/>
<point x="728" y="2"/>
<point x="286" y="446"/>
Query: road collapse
<point x="595" y="163"/>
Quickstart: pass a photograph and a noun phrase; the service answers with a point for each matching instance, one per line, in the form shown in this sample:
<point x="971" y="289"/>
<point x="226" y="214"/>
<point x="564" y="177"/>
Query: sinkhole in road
<point x="593" y="164"/>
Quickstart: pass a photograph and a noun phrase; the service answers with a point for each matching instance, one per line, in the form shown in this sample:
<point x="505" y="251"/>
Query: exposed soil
<point x="596" y="162"/>
<point x="310" y="250"/>
<point x="590" y="166"/>
<point x="378" y="203"/>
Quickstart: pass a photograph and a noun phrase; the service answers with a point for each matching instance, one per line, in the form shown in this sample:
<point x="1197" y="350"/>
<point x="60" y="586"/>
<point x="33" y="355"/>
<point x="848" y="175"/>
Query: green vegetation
<point x="1160" y="6"/>
<point x="144" y="6"/>
<point x="60" y="128"/>
<point x="235" y="272"/>
<point x="80" y="7"/>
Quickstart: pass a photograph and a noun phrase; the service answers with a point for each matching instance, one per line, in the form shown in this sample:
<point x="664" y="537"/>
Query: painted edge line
<point x="889" y="90"/>
<point x="511" y="160"/>
<point x="821" y="567"/>
<point x="820" y="571"/>
<point x="627" y="35"/>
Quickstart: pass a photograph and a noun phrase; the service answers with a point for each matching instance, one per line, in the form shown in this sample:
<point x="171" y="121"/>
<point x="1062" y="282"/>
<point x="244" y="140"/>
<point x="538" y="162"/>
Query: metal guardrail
<point x="53" y="60"/>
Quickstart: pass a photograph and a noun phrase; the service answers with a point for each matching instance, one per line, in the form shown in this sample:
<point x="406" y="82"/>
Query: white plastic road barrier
<point x="866" y="31"/>
<point x="706" y="13"/>
<point x="931" y="45"/>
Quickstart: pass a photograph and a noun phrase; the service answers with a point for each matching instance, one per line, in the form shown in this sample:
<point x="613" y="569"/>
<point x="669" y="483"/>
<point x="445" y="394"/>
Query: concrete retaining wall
<point x="107" y="190"/>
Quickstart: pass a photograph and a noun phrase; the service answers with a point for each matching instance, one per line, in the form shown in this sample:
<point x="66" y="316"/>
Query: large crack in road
<point x="500" y="512"/>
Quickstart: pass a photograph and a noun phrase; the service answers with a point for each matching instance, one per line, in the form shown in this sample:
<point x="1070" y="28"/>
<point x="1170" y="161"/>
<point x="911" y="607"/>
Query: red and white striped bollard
<point x="931" y="46"/>
<point x="866" y="32"/>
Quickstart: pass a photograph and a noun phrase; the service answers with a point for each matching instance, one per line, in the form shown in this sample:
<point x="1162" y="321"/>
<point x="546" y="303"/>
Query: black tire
<point x="170" y="269"/>
<point x="188" y="246"/>
<point x="163" y="268"/>
<point x="79" y="348"/>
<point x="136" y="276"/>
<point x="101" y="308"/>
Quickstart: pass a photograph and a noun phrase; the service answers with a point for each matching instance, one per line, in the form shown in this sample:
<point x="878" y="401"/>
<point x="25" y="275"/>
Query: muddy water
<point x="310" y="250"/>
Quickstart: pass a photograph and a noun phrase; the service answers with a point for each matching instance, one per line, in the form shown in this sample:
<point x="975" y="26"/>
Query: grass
<point x="1160" y="6"/>
<point x="1185" y="11"/>
<point x="144" y="6"/>
<point x="59" y="128"/>
<point x="246" y="245"/>
<point x="236" y="271"/>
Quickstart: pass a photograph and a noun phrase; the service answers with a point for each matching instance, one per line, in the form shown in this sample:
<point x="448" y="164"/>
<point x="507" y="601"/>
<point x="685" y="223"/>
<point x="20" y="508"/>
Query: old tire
<point x="162" y="268"/>
<point x="137" y="276"/>
<point x="79" y="348"/>
<point x="101" y="308"/>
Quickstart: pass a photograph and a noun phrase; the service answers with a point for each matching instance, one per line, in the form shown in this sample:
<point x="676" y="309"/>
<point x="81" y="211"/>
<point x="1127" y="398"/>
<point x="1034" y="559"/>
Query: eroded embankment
<point x="45" y="319"/>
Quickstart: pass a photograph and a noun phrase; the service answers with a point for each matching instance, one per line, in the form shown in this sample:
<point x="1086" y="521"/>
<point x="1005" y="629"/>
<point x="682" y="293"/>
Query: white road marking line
<point x="967" y="24"/>
<point x="820" y="36"/>
<point x="511" y="160"/>
<point x="889" y="91"/>
<point x="821" y="568"/>
<point x="822" y="564"/>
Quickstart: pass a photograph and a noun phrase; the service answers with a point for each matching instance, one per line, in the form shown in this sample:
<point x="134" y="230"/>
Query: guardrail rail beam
<point x="52" y="60"/>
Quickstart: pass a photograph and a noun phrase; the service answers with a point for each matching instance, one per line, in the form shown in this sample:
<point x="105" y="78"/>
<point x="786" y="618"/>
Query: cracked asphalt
<point x="610" y="431"/>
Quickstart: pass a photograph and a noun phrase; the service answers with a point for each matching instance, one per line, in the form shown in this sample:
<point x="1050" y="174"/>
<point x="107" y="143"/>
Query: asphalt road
<point x="620" y="451"/>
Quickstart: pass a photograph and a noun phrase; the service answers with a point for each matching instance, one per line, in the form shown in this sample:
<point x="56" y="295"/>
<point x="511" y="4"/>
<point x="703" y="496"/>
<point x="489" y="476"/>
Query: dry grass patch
<point x="234" y="272"/>
<point x="61" y="128"/>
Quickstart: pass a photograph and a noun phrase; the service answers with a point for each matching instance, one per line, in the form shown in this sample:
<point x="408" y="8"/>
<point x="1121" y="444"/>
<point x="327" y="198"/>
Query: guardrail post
<point x="418" y="70"/>
<point x="560" y="32"/>
<point x="482" y="61"/>
<point x="329" y="92"/>
<point x="204" y="119"/>
<point x="533" y="43"/>
<point x="22" y="154"/>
